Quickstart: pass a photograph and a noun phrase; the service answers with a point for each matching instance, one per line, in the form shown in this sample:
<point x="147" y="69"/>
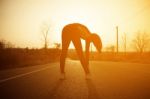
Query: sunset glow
<point x="21" y="20"/>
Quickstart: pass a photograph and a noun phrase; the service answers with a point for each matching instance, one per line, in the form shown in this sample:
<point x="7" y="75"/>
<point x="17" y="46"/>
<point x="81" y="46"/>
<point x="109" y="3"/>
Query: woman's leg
<point x="65" y="44"/>
<point x="78" y="46"/>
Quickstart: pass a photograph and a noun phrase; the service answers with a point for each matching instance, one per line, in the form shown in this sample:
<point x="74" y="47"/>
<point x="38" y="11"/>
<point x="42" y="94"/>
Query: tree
<point x="141" y="41"/>
<point x="45" y="30"/>
<point x="110" y="48"/>
<point x="57" y="45"/>
<point x="9" y="45"/>
<point x="2" y="44"/>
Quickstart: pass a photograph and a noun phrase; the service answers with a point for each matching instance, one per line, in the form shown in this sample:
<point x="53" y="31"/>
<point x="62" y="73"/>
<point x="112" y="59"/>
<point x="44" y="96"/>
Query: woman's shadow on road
<point x="54" y="90"/>
<point x="92" y="91"/>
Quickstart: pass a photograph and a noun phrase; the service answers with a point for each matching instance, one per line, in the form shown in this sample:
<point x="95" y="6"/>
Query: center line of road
<point x="24" y="74"/>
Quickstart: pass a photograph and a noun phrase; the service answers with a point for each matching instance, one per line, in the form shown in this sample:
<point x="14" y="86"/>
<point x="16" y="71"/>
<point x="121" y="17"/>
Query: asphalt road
<point x="109" y="80"/>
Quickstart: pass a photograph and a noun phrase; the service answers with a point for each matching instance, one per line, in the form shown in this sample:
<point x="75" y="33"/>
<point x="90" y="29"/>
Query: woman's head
<point x="96" y="41"/>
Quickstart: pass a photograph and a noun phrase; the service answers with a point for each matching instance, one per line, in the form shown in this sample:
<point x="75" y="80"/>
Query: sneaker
<point x="62" y="76"/>
<point x="88" y="76"/>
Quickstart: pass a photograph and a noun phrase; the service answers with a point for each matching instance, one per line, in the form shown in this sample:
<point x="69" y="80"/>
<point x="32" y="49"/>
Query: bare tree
<point x="110" y="48"/>
<point x="45" y="31"/>
<point x="2" y="44"/>
<point x="9" y="45"/>
<point x="141" y="41"/>
<point x="124" y="37"/>
<point x="57" y="45"/>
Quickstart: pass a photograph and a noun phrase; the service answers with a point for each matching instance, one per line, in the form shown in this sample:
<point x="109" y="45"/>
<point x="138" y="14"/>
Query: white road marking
<point x="24" y="74"/>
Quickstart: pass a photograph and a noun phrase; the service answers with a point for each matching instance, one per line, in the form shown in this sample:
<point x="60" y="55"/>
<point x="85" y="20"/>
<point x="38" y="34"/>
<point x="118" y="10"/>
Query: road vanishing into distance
<point x="109" y="80"/>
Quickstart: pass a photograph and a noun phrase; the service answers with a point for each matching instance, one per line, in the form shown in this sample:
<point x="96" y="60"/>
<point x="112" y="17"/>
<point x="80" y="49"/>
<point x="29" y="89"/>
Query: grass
<point x="17" y="57"/>
<point x="117" y="57"/>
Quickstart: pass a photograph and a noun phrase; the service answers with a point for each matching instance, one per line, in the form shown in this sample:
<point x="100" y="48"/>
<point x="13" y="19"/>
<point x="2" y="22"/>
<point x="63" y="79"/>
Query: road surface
<point x="109" y="80"/>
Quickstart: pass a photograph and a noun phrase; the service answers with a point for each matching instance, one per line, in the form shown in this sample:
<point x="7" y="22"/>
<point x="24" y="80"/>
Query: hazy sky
<point x="21" y="21"/>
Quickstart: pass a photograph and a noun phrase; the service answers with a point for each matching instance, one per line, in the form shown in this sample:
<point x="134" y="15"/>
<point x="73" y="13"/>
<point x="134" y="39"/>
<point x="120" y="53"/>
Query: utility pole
<point x="117" y="39"/>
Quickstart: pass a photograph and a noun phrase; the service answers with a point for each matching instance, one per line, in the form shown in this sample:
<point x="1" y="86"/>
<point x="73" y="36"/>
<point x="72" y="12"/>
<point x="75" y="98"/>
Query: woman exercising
<point x="74" y="32"/>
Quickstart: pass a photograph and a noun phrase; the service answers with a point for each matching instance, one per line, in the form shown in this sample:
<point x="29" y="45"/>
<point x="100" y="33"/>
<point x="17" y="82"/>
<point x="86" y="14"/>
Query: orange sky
<point x="21" y="20"/>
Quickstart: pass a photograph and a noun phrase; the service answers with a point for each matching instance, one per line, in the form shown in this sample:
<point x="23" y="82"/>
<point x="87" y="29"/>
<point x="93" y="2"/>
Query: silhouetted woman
<point x="74" y="32"/>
